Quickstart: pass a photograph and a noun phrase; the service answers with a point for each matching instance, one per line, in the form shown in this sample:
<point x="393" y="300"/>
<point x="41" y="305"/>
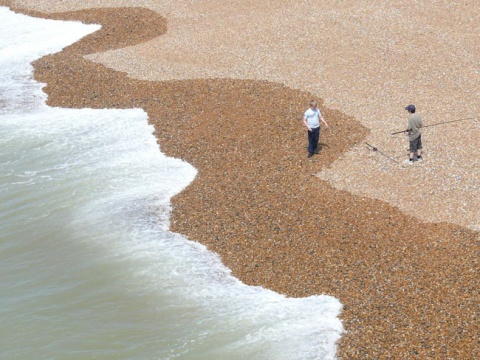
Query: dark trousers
<point x="313" y="137"/>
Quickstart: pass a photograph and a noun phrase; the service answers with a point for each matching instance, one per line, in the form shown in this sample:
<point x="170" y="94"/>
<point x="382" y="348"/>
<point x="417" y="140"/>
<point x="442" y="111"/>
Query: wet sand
<point x="409" y="288"/>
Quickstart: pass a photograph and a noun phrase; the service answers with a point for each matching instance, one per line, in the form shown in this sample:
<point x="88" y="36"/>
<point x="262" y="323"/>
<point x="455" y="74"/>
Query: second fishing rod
<point x="436" y="124"/>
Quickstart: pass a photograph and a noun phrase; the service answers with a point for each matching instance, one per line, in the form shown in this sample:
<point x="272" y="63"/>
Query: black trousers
<point x="313" y="137"/>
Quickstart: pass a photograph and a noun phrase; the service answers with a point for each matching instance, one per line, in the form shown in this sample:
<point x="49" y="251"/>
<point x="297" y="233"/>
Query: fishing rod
<point x="440" y="123"/>
<point x="147" y="99"/>
<point x="375" y="149"/>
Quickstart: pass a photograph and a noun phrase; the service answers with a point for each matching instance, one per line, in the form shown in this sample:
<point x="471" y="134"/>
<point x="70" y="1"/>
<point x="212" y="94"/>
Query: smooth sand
<point x="409" y="286"/>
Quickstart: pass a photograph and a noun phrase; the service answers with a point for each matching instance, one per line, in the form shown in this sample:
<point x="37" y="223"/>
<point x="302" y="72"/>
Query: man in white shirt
<point x="311" y="120"/>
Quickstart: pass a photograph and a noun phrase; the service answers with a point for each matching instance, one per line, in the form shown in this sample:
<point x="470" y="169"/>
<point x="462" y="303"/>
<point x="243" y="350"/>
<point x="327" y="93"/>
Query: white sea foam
<point x="87" y="193"/>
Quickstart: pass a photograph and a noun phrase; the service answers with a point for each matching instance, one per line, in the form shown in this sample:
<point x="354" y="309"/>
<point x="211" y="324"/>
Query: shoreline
<point x="396" y="302"/>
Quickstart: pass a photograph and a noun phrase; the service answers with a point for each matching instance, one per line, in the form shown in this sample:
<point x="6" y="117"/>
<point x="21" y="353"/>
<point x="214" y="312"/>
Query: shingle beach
<point x="225" y="86"/>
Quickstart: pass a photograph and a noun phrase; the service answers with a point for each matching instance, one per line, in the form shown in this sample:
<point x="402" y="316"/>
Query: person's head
<point x="313" y="104"/>
<point x="410" y="108"/>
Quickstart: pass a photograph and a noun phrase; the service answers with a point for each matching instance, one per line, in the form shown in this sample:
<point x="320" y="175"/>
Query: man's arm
<point x="306" y="125"/>
<point x="323" y="120"/>
<point x="409" y="126"/>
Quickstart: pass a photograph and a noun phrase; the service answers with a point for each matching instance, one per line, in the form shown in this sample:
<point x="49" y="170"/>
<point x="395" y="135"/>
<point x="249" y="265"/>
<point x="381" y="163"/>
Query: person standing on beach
<point x="311" y="120"/>
<point x="414" y="135"/>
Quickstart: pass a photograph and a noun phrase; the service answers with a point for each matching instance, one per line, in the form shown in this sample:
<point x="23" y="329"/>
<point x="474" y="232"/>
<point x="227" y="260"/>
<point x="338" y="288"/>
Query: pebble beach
<point x="397" y="245"/>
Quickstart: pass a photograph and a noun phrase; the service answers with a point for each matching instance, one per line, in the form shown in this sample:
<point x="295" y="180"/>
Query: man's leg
<point x="419" y="148"/>
<point x="310" y="143"/>
<point x="413" y="150"/>
<point x="315" y="137"/>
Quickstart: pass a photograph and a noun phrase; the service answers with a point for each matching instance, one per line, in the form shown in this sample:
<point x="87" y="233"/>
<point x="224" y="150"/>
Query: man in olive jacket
<point x="414" y="134"/>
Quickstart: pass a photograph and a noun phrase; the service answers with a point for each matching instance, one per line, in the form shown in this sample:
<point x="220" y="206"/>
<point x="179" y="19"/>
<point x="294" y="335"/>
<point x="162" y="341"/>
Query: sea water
<point x="88" y="266"/>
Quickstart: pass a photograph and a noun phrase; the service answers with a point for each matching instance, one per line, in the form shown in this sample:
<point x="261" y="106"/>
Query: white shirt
<point x="313" y="118"/>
